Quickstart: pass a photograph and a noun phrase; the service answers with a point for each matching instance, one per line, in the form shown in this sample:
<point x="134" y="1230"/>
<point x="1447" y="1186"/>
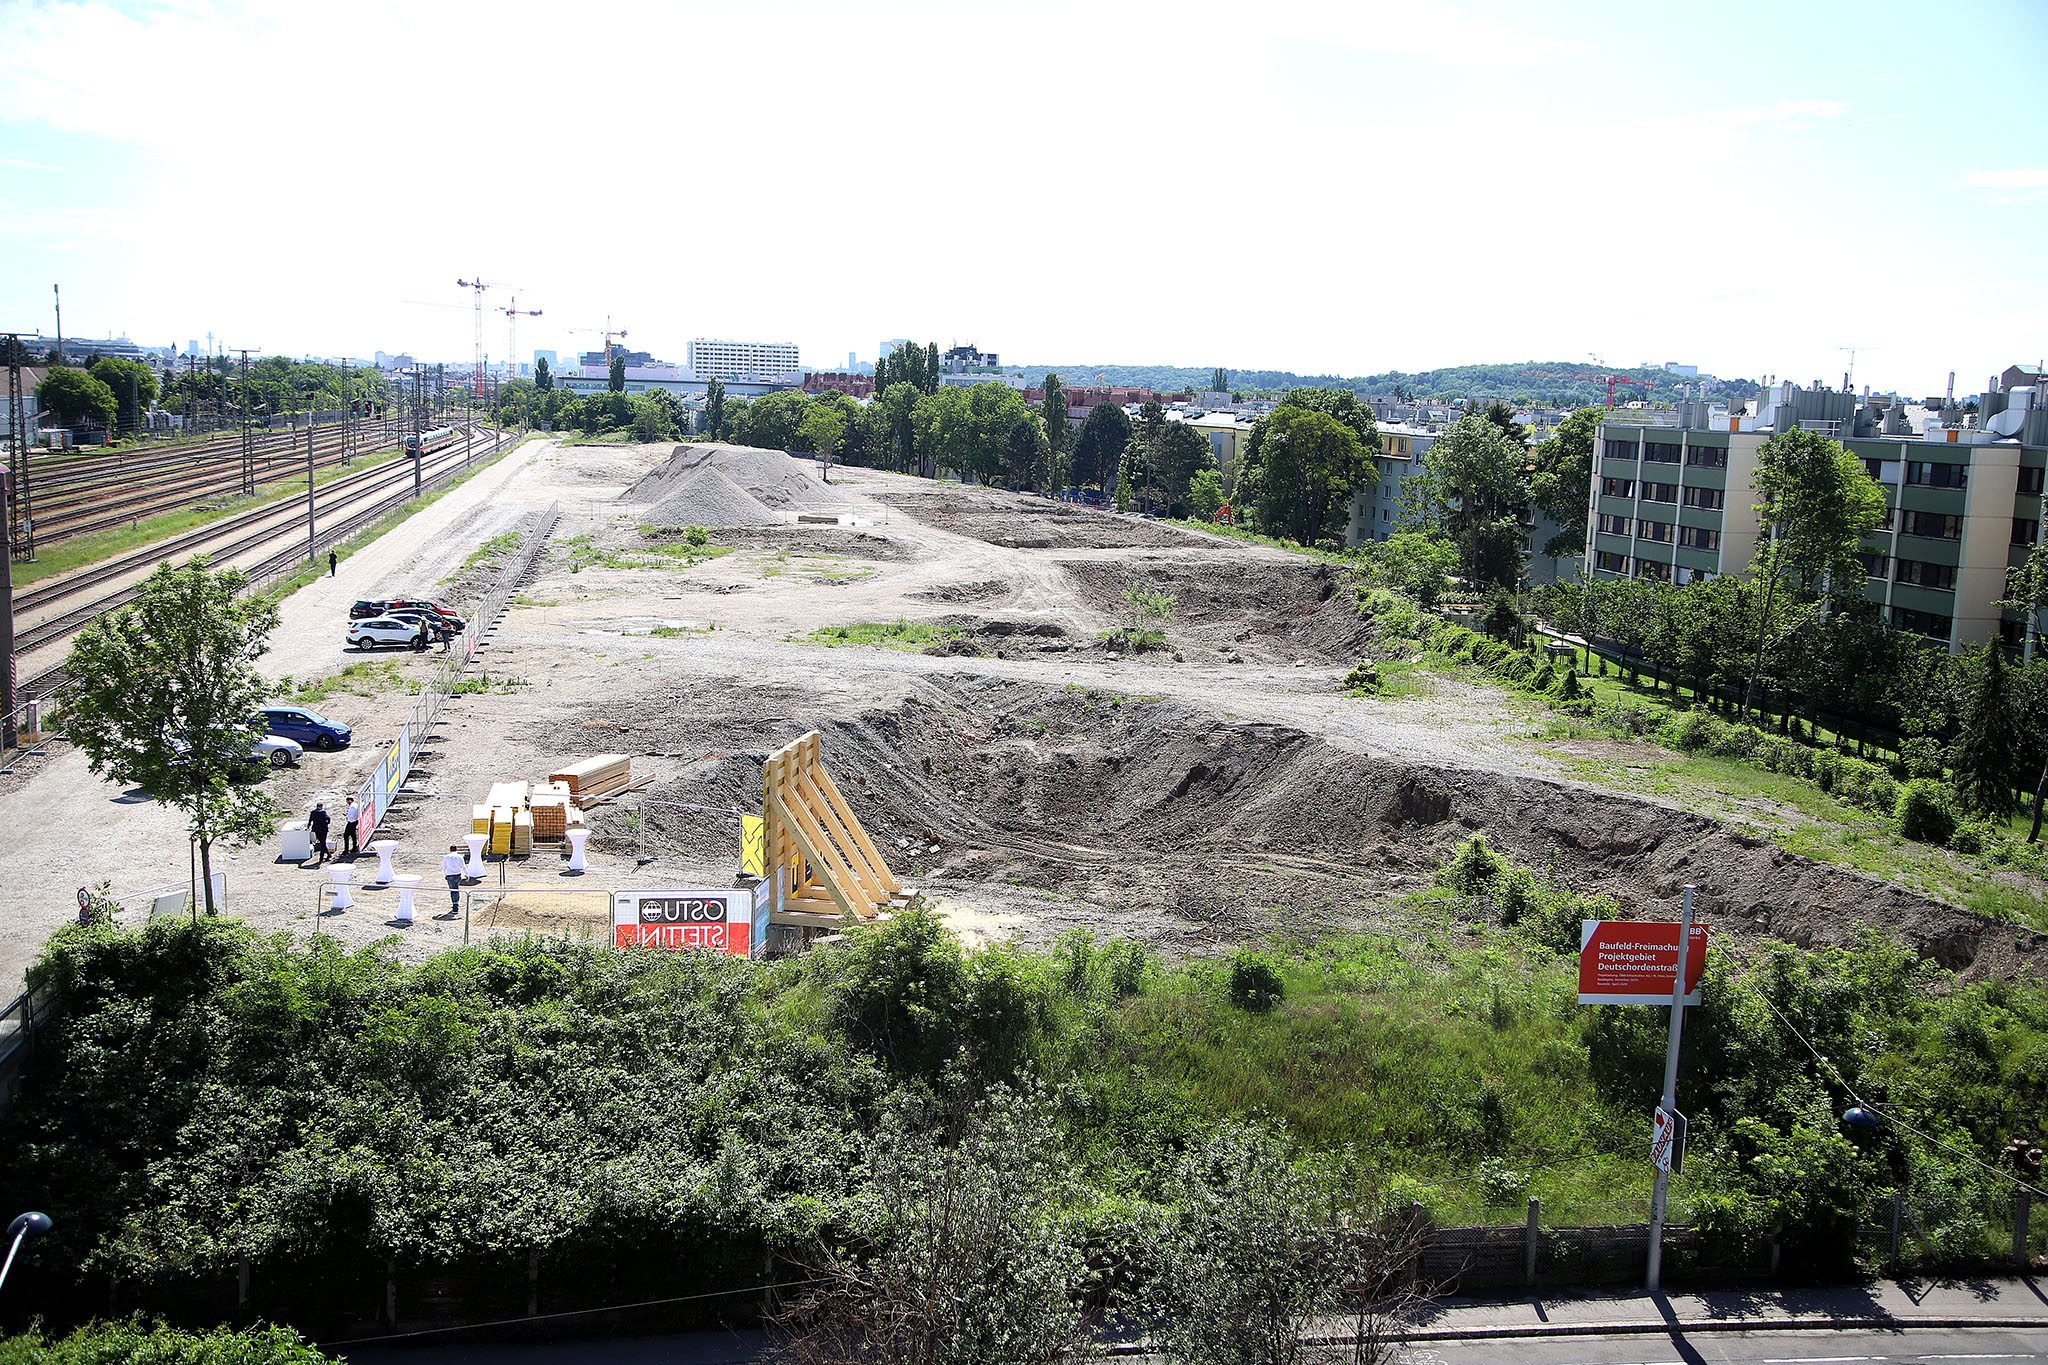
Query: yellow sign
<point x="753" y="846"/>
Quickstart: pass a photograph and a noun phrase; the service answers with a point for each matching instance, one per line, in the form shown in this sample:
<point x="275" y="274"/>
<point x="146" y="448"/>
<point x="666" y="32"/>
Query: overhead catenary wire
<point x="575" y="1313"/>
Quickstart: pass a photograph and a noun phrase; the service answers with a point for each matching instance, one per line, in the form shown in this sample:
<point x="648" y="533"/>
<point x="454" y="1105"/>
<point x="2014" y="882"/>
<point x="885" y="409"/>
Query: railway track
<point x="80" y="502"/>
<point x="361" y="501"/>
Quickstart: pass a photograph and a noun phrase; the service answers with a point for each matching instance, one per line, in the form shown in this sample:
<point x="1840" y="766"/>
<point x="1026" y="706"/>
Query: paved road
<point x="1927" y="1344"/>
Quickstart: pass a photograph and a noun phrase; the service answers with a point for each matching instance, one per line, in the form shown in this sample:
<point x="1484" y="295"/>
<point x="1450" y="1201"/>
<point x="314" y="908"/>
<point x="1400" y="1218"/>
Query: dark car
<point x="435" y="622"/>
<point x="309" y="728"/>
<point x="364" y="610"/>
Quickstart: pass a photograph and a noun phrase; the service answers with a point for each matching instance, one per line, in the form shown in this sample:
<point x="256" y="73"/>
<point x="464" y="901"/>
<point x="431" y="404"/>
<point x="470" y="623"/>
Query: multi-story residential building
<point x="961" y="359"/>
<point x="1963" y="499"/>
<point x="753" y="360"/>
<point x="1376" y="508"/>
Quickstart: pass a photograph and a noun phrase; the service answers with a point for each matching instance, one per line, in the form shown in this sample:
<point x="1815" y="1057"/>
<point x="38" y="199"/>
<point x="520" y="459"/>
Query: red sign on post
<point x="1629" y="962"/>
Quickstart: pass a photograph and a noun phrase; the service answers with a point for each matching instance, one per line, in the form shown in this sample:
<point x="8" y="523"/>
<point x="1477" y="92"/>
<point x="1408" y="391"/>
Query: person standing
<point x="348" y="830"/>
<point x="451" y="870"/>
<point x="318" y="822"/>
<point x="419" y="646"/>
<point x="332" y="560"/>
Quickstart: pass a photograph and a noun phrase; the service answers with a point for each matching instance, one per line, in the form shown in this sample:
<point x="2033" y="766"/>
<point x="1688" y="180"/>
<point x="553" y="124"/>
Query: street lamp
<point x="24" y="1226"/>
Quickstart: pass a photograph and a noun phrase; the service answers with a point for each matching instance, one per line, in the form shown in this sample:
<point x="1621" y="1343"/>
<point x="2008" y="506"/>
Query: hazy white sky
<point x="1341" y="188"/>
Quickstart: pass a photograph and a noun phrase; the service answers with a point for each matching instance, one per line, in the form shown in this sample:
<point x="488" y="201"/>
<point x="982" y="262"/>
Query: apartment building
<point x="756" y="360"/>
<point x="1963" y="499"/>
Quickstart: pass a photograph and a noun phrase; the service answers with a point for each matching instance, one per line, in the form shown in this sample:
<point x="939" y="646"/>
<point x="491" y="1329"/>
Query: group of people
<point x="320" y="820"/>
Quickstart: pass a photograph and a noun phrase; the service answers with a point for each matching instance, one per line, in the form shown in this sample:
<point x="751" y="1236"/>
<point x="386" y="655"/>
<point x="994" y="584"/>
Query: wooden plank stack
<point x="594" y="779"/>
<point x="550" y="804"/>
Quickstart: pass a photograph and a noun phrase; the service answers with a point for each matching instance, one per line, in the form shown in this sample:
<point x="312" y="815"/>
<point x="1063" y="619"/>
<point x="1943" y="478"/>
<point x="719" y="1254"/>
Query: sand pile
<point x="721" y="485"/>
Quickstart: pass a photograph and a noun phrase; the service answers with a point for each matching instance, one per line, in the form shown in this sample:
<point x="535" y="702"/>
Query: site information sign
<point x="722" y="921"/>
<point x="1626" y="962"/>
<point x="1667" y="1140"/>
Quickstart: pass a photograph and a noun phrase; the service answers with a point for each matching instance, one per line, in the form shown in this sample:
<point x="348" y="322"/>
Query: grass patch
<point x="490" y="552"/>
<point x="67" y="556"/>
<point x="484" y="684"/>
<point x="366" y="679"/>
<point x="681" y="632"/>
<point x="586" y="552"/>
<point x="1339" y="557"/>
<point x="897" y="634"/>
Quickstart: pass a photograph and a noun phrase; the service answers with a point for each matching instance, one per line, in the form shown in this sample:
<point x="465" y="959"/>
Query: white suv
<point x="381" y="630"/>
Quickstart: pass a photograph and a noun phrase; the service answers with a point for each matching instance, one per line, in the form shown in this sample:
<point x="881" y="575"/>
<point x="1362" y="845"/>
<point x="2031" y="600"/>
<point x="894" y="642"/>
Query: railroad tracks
<point x="357" y="500"/>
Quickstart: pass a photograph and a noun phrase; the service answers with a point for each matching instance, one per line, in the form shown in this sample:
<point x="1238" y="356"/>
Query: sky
<point x="1326" y="188"/>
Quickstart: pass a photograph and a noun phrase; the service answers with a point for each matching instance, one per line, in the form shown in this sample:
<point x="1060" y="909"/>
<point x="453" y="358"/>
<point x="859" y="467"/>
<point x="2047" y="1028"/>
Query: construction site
<point x="958" y="653"/>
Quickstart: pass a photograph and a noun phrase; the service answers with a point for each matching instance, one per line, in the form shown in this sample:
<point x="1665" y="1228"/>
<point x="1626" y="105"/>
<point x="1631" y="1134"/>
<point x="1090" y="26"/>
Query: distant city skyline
<point x="1389" y="186"/>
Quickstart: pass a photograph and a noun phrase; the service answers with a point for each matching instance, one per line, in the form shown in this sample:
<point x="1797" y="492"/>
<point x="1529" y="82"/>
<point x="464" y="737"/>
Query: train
<point x="427" y="442"/>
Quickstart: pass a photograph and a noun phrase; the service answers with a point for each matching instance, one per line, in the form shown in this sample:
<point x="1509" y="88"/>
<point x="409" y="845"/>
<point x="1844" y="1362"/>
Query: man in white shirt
<point x="451" y="869"/>
<point x="355" y="813"/>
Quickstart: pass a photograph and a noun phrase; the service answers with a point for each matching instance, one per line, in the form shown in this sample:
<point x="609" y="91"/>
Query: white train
<point x="426" y="442"/>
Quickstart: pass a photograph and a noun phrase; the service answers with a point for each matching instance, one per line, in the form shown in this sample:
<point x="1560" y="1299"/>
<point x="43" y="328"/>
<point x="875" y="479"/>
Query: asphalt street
<point x="1920" y="1344"/>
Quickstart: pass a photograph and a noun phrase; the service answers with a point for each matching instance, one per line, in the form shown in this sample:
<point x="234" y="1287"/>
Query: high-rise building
<point x="712" y="359"/>
<point x="554" y="361"/>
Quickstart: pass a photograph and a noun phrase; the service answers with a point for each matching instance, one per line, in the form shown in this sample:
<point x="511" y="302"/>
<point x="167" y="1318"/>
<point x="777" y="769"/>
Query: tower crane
<point x="1610" y="380"/>
<point x="607" y="332"/>
<point x="512" y="316"/>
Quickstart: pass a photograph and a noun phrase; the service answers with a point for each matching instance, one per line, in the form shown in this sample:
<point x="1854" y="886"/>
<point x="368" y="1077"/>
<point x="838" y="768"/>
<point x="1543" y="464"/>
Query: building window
<point x="2009" y="632"/>
<point x="1661" y="492"/>
<point x="1928" y="474"/>
<point x="1662" y="454"/>
<point x="1652" y="568"/>
<point x="1923" y="623"/>
<point x="2023" y="533"/>
<point x="1613" y="525"/>
<point x="1713" y="499"/>
<point x="1698" y="538"/>
<point x="1622" y="450"/>
<point x="2030" y="482"/>
<point x="1707" y="457"/>
<point x="1924" y="575"/>
<point x="1620" y="488"/>
<point x="1934" y="525"/>
<point x="1874" y="566"/>
<point x="1659" y="531"/>
<point x="1608" y="562"/>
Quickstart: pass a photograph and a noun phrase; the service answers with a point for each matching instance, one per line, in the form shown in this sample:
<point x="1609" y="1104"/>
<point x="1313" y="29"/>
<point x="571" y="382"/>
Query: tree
<point x="822" y="429"/>
<point x="1418" y="563"/>
<point x="1563" y="484"/>
<point x="1985" y="757"/>
<point x="1175" y="453"/>
<point x="1024" y="450"/>
<point x="892" y="411"/>
<point x="1300" y="471"/>
<point x="1219" y="381"/>
<point x="543" y="376"/>
<point x="1503" y="416"/>
<point x="77" y="398"/>
<point x="1052" y="410"/>
<point x="162" y="695"/>
<point x="1473" y="486"/>
<point x="133" y="385"/>
<point x="1100" y="443"/>
<point x="966" y="430"/>
<point x="1205" y="495"/>
<point x="617" y="371"/>
<point x="2026" y="592"/>
<point x="1816" y="503"/>
<point x="774" y="421"/>
<point x="657" y="416"/>
<point x="714" y="409"/>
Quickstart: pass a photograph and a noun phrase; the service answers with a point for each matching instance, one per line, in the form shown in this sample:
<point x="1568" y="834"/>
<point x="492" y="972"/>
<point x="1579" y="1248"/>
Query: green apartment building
<point x="1963" y="499"/>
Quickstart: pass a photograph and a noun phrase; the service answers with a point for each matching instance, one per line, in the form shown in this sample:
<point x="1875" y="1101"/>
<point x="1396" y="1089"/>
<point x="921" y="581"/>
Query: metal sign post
<point x="1667" y="1107"/>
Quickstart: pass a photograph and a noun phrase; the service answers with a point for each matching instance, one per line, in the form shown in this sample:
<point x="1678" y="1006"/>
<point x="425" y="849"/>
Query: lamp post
<point x="24" y="1226"/>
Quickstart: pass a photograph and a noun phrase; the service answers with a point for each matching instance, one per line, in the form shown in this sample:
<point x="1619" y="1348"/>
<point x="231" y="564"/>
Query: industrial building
<point x="1963" y="498"/>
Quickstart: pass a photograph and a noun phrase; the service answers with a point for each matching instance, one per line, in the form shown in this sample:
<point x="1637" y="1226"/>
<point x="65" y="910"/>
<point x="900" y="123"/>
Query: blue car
<point x="309" y="728"/>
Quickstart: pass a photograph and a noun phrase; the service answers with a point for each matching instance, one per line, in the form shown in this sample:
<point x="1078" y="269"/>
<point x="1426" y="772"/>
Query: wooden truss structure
<point x="822" y="863"/>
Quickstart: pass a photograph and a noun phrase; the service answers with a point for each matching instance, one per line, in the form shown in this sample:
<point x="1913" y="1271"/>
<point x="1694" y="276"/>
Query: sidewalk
<point x="2016" y="1302"/>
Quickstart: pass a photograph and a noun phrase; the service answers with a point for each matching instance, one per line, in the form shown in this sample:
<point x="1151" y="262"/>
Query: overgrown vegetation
<point x="897" y="634"/>
<point x="139" y="1342"/>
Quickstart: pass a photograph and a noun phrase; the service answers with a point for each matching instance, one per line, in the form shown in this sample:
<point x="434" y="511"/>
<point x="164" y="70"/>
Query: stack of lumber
<point x="522" y="836"/>
<point x="480" y="821"/>
<point x="594" y="779"/>
<point x="501" y="829"/>
<point x="551" y="803"/>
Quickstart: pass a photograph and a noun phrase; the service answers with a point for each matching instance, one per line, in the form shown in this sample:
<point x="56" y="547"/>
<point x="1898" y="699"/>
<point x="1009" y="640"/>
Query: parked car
<point x="381" y="630"/>
<point x="307" y="727"/>
<point x="436" y="624"/>
<point x="265" y="751"/>
<point x="364" y="610"/>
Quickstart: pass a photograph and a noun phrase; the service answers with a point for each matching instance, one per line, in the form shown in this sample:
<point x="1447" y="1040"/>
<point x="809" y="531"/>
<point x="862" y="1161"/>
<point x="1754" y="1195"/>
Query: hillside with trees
<point x="1507" y="381"/>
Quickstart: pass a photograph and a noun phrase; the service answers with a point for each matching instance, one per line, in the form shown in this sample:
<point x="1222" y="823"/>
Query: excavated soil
<point x="1295" y="609"/>
<point x="1021" y="521"/>
<point x="1156" y="819"/>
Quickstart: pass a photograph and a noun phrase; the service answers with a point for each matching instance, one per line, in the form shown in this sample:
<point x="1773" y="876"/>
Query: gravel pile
<point x="712" y="475"/>
<point x="705" y="497"/>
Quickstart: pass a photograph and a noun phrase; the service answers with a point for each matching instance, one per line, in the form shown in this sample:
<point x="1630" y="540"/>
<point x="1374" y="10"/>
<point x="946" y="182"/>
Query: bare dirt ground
<point x="1027" y="778"/>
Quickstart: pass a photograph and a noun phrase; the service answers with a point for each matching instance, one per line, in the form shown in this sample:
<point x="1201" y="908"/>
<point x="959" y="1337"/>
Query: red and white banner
<point x="1631" y="962"/>
<point x="670" y="921"/>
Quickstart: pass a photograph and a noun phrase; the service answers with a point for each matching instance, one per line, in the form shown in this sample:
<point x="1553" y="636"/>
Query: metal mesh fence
<point x="583" y="914"/>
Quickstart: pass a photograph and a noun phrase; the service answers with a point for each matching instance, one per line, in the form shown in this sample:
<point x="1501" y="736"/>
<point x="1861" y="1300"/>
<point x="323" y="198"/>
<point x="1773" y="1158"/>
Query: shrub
<point x="1697" y="731"/>
<point x="1255" y="983"/>
<point x="1569" y="689"/>
<point x="1969" y="836"/>
<point x="1543" y="679"/>
<point x="1362" y="678"/>
<point x="695" y="535"/>
<point x="1474" y="869"/>
<point x="1514" y="668"/>
<point x="1920" y="756"/>
<point x="135" y="1339"/>
<point x="1923" y="812"/>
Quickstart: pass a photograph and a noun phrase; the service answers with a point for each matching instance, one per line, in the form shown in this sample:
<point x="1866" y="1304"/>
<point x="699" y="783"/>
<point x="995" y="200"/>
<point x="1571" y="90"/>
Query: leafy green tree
<point x="617" y="372"/>
<point x="1563" y="482"/>
<point x="774" y="421"/>
<point x="1205" y="495"/>
<point x="543" y="376"/>
<point x="657" y="416"/>
<point x="1052" y="411"/>
<point x="1985" y="757"/>
<point x="1299" y="481"/>
<point x="162" y="695"/>
<point x="1816" y="505"/>
<point x="822" y="429"/>
<point x="892" y="411"/>
<point x="1100" y="443"/>
<point x="966" y="429"/>
<point x="1474" y="486"/>
<point x="1024" y="452"/>
<point x="1503" y="416"/>
<point x="1418" y="563"/>
<point x="77" y="398"/>
<point x="714" y="409"/>
<point x="133" y="385"/>
<point x="1219" y="381"/>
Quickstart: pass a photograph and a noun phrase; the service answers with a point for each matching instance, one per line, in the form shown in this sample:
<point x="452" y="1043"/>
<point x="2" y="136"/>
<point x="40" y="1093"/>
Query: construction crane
<point x="607" y="332"/>
<point x="1610" y="380"/>
<point x="477" y="374"/>
<point x="512" y="316"/>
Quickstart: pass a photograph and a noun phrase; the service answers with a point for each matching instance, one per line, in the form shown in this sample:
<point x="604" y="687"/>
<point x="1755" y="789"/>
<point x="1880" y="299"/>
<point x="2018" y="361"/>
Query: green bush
<point x="1255" y="983"/>
<point x="1543" y="679"/>
<point x="1923" y="812"/>
<point x="1569" y="689"/>
<point x="695" y="535"/>
<point x="1697" y="731"/>
<point x="1969" y="836"/>
<point x="1474" y="869"/>
<point x="1920" y="756"/>
<point x="139" y="1342"/>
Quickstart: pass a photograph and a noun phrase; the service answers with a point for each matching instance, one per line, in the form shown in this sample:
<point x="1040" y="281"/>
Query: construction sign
<point x="721" y="921"/>
<point x="1629" y="962"/>
<point x="753" y="846"/>
<point x="820" y="862"/>
<point x="1667" y="1141"/>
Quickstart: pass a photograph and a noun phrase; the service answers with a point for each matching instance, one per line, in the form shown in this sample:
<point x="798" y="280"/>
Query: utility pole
<point x="20" y="535"/>
<point x="418" y="426"/>
<point x="248" y="435"/>
<point x="57" y="297"/>
<point x="309" y="481"/>
<point x="10" y="735"/>
<point x="1669" y="1103"/>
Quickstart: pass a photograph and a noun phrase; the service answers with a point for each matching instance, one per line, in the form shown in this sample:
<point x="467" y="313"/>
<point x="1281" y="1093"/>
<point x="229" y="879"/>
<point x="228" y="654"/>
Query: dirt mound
<point x="1025" y="521"/>
<point x="772" y="480"/>
<point x="1285" y="608"/>
<point x="706" y="497"/>
<point x="826" y="540"/>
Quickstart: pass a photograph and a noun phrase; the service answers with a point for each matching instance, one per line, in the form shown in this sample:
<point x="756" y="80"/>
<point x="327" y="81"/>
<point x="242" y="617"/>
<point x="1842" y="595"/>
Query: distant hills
<point x="1510" y="382"/>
